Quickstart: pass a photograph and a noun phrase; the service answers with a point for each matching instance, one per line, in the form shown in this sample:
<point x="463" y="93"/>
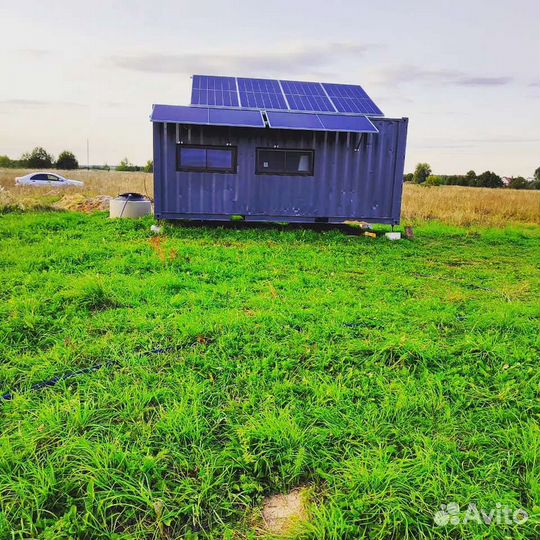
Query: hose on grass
<point x="73" y="374"/>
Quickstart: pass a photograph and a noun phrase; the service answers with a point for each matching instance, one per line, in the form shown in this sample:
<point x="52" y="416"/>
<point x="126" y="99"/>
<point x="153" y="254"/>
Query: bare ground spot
<point x="282" y="514"/>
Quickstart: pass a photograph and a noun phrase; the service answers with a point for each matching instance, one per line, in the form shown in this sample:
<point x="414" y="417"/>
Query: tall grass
<point x="450" y="204"/>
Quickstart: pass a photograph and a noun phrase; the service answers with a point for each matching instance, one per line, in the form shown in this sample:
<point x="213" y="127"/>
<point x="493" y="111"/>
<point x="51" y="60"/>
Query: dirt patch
<point x="283" y="513"/>
<point x="80" y="203"/>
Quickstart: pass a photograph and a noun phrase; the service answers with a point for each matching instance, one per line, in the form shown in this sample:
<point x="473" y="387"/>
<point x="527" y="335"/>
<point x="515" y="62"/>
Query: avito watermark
<point x="451" y="514"/>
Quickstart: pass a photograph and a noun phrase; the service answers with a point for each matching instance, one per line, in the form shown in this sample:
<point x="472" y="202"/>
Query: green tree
<point x="434" y="180"/>
<point x="149" y="167"/>
<point x="67" y="160"/>
<point x="38" y="158"/>
<point x="125" y="165"/>
<point x="518" y="182"/>
<point x="489" y="179"/>
<point x="5" y="162"/>
<point x="421" y="173"/>
<point x="470" y="178"/>
<point x="537" y="174"/>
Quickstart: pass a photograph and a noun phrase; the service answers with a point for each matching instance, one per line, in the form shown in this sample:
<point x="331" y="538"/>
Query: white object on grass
<point x="393" y="235"/>
<point x="156" y="229"/>
<point x="130" y="205"/>
<point x="46" y="179"/>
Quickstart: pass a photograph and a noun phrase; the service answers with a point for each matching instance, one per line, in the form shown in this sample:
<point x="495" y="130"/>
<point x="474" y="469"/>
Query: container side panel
<point x="398" y="175"/>
<point x="158" y="168"/>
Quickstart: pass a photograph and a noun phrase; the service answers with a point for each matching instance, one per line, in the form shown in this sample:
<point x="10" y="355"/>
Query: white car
<point x="46" y="179"/>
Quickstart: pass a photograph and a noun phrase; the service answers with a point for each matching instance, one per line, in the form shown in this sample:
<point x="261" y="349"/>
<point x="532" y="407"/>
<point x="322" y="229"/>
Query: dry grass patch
<point x="81" y="203"/>
<point x="470" y="206"/>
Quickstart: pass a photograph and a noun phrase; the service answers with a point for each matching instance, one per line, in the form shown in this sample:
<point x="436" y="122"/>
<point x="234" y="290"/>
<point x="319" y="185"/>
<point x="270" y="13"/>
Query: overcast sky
<point x="465" y="72"/>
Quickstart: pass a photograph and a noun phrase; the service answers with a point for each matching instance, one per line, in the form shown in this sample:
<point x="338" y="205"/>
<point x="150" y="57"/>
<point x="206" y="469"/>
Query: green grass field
<point x="387" y="378"/>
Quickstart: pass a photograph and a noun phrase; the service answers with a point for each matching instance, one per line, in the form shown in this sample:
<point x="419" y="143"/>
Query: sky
<point x="465" y="72"/>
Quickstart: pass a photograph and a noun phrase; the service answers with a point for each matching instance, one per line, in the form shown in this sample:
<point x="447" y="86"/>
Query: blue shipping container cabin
<point x="276" y="150"/>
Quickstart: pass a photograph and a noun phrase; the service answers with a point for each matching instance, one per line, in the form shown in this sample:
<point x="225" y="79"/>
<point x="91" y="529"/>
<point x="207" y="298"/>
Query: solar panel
<point x="207" y="116"/>
<point x="292" y="120"/>
<point x="320" y="122"/>
<point x="180" y="114"/>
<point x="350" y="98"/>
<point x="261" y="94"/>
<point x="341" y="122"/>
<point x="214" y="91"/>
<point x="306" y="96"/>
<point x="235" y="117"/>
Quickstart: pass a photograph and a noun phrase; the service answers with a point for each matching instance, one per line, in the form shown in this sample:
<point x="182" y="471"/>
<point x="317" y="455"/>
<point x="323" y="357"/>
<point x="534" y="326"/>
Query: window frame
<point x="231" y="170"/>
<point x="310" y="151"/>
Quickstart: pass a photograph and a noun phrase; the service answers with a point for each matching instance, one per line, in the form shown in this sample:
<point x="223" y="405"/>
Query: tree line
<point x="39" y="158"/>
<point x="125" y="165"/>
<point x="423" y="175"/>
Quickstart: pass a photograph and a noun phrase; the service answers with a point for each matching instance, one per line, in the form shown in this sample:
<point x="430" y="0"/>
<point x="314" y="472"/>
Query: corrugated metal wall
<point x="356" y="176"/>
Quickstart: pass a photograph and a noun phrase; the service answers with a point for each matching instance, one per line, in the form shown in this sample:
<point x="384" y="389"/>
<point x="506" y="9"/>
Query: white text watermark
<point x="452" y="514"/>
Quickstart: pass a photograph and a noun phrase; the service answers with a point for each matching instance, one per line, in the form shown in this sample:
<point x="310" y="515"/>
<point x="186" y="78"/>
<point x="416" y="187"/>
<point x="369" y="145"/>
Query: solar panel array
<point x="281" y="95"/>
<point x="207" y="116"/>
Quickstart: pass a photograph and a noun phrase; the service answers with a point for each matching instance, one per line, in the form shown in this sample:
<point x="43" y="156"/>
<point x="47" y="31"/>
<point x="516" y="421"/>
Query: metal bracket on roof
<point x="359" y="142"/>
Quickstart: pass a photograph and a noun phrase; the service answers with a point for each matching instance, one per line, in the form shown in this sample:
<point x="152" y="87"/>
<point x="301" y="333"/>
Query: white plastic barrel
<point x="130" y="205"/>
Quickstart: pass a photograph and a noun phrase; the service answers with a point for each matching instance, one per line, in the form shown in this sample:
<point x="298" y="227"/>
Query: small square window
<point x="219" y="159"/>
<point x="285" y="161"/>
<point x="193" y="157"/>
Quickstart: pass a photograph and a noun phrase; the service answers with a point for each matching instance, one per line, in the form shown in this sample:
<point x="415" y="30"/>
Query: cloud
<point x="484" y="81"/>
<point x="506" y="139"/>
<point x="33" y="53"/>
<point x="409" y="73"/>
<point x="474" y="142"/>
<point x="23" y="102"/>
<point x="261" y="63"/>
<point x="34" y="103"/>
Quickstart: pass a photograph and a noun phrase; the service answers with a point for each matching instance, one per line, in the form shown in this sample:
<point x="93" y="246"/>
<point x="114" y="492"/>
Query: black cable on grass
<point x="64" y="377"/>
<point x="163" y="351"/>
<point x="72" y="374"/>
